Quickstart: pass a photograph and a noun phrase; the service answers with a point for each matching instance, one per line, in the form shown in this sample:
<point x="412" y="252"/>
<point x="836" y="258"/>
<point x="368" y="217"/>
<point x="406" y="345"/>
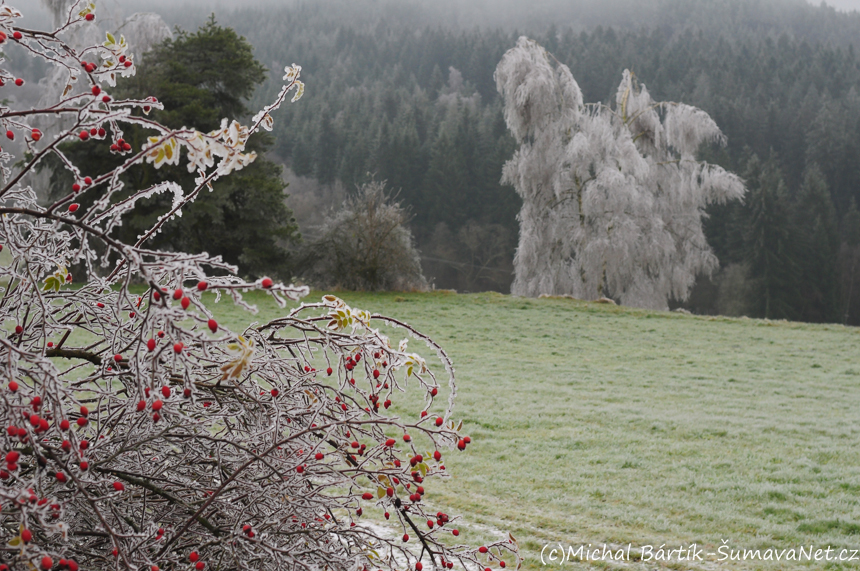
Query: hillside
<point x="594" y="423"/>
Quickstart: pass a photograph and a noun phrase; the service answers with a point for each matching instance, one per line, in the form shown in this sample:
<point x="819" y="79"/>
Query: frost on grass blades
<point x="613" y="199"/>
<point x="138" y="433"/>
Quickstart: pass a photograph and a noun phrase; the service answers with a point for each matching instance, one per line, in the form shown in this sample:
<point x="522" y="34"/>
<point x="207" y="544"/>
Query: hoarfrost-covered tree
<point x="613" y="198"/>
<point x="366" y="245"/>
<point x="138" y="433"/>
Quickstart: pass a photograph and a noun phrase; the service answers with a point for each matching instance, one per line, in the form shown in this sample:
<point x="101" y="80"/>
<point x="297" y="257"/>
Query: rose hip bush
<point x="139" y="433"/>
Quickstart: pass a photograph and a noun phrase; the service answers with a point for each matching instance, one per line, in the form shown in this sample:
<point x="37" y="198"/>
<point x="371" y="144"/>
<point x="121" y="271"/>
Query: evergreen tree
<point x="815" y="219"/>
<point x="203" y="77"/>
<point x="770" y="246"/>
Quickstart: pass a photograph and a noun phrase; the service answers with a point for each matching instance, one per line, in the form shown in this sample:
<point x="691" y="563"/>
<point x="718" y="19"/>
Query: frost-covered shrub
<point x="140" y="433"/>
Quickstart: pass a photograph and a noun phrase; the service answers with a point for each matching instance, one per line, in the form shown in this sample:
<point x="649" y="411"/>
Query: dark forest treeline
<point x="396" y="92"/>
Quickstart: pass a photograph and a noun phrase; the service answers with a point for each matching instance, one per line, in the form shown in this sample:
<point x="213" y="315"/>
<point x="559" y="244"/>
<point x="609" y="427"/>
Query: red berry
<point x="157" y="405"/>
<point x="96" y="90"/>
<point x="328" y="371"/>
<point x="19" y="82"/>
<point x="482" y="549"/>
<point x="185" y="302"/>
<point x="76" y="187"/>
<point x="150" y="344"/>
<point x="213" y="325"/>
<point x="90" y="17"/>
<point x="61" y="477"/>
<point x="64" y="425"/>
<point x="117" y="358"/>
<point x="406" y="438"/>
<point x="127" y="63"/>
<point x="300" y="469"/>
<point x="88" y="181"/>
<point x="165" y="391"/>
<point x="161" y="334"/>
<point x="106" y="98"/>
<point x="405" y="537"/>
<point x="85" y="411"/>
<point x="319" y="456"/>
<point x="366" y="496"/>
<point x="91" y="67"/>
<point x="17" y="35"/>
<point x="47" y="563"/>
<point x="118" y="486"/>
<point x="266" y="283"/>
<point x="467" y="440"/>
<point x="418" y="566"/>
<point x="193" y="557"/>
<point x="437" y="455"/>
<point x="390" y="442"/>
<point x="141" y="405"/>
<point x="156" y="417"/>
<point x="13" y="386"/>
<point x="186" y="393"/>
<point x="36" y="134"/>
<point x="73" y="207"/>
<point x="10" y="135"/>
<point x="455" y="532"/>
<point x="84" y="135"/>
<point x="200" y="565"/>
<point x="274" y="392"/>
<point x="82" y="421"/>
<point x="201" y="286"/>
<point x="177" y="348"/>
<point x="178" y="293"/>
<point x="26" y="536"/>
<point x="12" y="457"/>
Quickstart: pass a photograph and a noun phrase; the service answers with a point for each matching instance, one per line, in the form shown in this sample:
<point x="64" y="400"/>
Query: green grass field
<point x="593" y="424"/>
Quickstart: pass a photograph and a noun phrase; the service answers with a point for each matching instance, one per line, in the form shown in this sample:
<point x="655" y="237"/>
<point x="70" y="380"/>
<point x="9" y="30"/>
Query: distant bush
<point x="365" y="245"/>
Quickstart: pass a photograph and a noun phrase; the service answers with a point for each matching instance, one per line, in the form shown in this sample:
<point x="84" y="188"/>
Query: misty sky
<point x="846" y="5"/>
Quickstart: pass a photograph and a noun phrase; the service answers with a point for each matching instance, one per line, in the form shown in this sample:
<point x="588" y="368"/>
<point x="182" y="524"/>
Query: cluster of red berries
<point x="248" y="530"/>
<point x="120" y="146"/>
<point x="194" y="557"/>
